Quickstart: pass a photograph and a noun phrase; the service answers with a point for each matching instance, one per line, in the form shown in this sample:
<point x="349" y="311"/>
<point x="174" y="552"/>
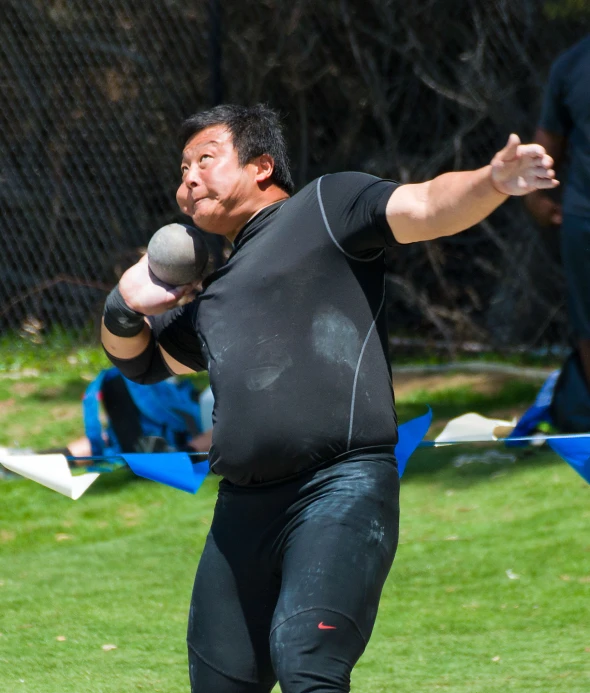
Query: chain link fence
<point x="93" y="91"/>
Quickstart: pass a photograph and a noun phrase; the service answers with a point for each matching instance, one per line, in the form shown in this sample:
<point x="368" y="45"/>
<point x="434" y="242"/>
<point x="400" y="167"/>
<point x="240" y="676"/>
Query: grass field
<point x="490" y="590"/>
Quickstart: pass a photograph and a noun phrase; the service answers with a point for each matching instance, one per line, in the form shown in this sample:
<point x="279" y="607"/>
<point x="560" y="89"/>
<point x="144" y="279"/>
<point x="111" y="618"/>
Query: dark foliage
<point x="92" y="95"/>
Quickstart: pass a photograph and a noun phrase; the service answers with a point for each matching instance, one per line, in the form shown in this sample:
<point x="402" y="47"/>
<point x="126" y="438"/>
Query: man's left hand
<point x="518" y="169"/>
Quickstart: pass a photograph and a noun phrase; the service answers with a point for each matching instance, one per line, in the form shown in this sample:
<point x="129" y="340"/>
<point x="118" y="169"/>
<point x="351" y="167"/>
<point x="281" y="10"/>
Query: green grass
<point x="116" y="567"/>
<point x="448" y="402"/>
<point x="59" y="351"/>
<point x="57" y="355"/>
<point x="76" y="351"/>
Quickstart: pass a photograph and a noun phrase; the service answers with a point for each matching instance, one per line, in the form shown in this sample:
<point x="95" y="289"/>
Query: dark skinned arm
<point x="544" y="208"/>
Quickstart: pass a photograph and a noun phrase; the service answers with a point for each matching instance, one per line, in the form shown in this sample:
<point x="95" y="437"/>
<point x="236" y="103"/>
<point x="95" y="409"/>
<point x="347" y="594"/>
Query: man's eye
<point x="204" y="156"/>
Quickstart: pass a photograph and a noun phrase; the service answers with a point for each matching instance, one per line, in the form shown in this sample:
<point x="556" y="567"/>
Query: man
<point x="292" y="330"/>
<point x="564" y="129"/>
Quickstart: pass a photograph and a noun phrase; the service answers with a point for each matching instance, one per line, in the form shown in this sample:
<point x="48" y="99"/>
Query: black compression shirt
<point x="292" y="330"/>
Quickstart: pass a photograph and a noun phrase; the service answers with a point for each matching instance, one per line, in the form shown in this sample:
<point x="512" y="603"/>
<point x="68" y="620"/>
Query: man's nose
<point x="182" y="197"/>
<point x="191" y="177"/>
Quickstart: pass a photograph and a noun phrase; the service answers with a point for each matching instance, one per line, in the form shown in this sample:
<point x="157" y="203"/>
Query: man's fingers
<point x="538" y="183"/>
<point x="533" y="175"/>
<point x="546" y="183"/>
<point x="534" y="164"/>
<point x="541" y="172"/>
<point x="186" y="298"/>
<point x="513" y="140"/>
<point x="531" y="151"/>
<point x="185" y="294"/>
<point x="511" y="147"/>
<point x="176" y="291"/>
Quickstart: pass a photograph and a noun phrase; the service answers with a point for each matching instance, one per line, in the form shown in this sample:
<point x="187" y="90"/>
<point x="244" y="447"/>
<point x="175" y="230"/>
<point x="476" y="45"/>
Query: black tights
<point x="306" y="659"/>
<point x="290" y="579"/>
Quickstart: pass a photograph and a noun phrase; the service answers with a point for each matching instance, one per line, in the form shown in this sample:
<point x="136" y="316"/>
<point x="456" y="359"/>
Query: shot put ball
<point x="177" y="254"/>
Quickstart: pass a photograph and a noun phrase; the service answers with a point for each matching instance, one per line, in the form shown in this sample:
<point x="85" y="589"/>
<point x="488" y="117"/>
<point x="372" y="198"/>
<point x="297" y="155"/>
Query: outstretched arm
<point x="453" y="202"/>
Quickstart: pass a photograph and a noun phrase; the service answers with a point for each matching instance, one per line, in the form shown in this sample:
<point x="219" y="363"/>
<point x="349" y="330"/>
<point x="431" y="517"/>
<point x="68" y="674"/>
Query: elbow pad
<point x="146" y="368"/>
<point x="119" y="319"/>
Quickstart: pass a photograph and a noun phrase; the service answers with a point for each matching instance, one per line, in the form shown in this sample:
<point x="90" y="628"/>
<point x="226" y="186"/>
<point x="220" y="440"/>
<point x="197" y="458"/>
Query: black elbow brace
<point x="119" y="319"/>
<point x="146" y="368"/>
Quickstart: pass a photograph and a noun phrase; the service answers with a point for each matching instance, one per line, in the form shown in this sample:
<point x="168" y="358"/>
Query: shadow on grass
<point x="70" y="390"/>
<point x="469" y="464"/>
<point x="108" y="482"/>
<point x="451" y="402"/>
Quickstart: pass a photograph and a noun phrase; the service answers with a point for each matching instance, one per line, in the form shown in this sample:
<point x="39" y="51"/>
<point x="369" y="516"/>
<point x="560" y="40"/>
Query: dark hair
<point x="255" y="130"/>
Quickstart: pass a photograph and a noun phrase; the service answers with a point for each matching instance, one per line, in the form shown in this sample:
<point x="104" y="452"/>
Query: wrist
<point x="119" y="318"/>
<point x="495" y="184"/>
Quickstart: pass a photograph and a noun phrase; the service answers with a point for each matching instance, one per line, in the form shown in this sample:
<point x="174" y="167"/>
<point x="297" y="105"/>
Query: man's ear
<point x="264" y="167"/>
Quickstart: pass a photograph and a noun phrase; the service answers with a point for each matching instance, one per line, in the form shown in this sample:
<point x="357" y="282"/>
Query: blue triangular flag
<point x="537" y="413"/>
<point x="410" y="435"/>
<point x="575" y="451"/>
<point x="171" y="468"/>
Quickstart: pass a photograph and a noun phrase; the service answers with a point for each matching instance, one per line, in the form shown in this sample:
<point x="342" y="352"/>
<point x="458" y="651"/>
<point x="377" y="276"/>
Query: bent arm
<point x="130" y="344"/>
<point x="125" y="347"/>
<point x="129" y="338"/>
<point x="141" y="358"/>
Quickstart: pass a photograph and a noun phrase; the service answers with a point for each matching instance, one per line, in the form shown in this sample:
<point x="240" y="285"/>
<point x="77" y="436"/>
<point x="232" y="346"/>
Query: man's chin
<point x="209" y="224"/>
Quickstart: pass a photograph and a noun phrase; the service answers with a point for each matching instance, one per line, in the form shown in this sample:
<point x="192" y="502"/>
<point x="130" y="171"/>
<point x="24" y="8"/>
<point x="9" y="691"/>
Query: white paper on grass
<point x="51" y="471"/>
<point x="474" y="427"/>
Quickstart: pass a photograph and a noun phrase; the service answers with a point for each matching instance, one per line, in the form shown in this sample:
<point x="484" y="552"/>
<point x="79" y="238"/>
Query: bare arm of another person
<point x="453" y="202"/>
<point x="543" y="207"/>
<point x="202" y="442"/>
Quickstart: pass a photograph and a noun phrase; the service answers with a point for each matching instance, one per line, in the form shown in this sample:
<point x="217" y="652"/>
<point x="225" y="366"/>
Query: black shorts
<point x="291" y="575"/>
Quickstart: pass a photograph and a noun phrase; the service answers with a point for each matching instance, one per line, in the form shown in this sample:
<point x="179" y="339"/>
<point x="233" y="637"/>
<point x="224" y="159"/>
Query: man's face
<point x="215" y="190"/>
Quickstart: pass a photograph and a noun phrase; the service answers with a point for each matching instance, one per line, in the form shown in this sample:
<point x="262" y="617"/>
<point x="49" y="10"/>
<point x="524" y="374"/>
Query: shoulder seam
<point x="329" y="230"/>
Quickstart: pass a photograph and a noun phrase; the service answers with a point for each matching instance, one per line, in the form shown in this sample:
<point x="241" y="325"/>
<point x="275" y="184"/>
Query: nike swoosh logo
<point x="321" y="626"/>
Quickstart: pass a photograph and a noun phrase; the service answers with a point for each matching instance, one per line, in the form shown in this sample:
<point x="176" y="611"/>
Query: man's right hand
<point x="146" y="294"/>
<point x="546" y="211"/>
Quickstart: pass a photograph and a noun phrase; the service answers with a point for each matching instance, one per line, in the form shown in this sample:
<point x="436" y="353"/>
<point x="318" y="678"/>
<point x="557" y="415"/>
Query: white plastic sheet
<point x="51" y="471"/>
<point x="474" y="427"/>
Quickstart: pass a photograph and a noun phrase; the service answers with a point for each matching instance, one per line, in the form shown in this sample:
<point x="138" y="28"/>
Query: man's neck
<point x="280" y="196"/>
<point x="265" y="206"/>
